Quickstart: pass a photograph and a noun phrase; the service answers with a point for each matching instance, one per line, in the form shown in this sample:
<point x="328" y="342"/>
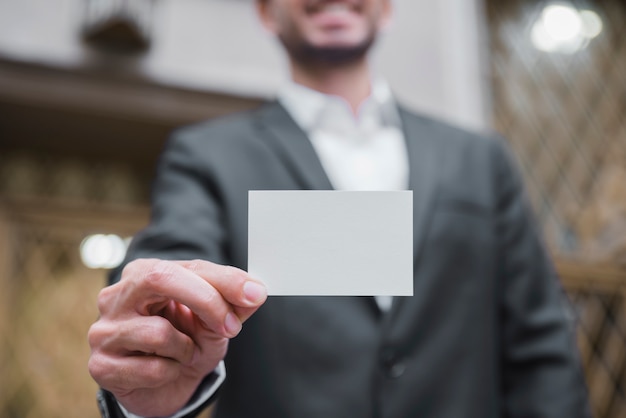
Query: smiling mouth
<point x="333" y="7"/>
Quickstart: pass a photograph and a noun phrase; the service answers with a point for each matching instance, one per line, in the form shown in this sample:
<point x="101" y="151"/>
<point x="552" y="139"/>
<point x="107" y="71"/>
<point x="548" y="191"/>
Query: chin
<point x="332" y="48"/>
<point x="332" y="54"/>
<point x="340" y="44"/>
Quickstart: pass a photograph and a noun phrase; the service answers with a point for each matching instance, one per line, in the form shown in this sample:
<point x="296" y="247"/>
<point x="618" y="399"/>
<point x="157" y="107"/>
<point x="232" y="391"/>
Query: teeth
<point x="334" y="7"/>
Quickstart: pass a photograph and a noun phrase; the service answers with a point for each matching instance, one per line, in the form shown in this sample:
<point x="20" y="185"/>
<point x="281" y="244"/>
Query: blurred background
<point x="90" y="89"/>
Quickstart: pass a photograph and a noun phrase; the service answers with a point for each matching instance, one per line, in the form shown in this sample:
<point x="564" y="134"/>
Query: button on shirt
<point x="365" y="151"/>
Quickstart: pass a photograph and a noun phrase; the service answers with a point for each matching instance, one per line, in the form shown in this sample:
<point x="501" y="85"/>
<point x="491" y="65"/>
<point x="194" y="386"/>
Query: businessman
<point x="486" y="334"/>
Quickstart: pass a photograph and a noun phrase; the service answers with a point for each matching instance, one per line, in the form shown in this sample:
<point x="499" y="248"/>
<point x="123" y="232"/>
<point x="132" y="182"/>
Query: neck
<point x="350" y="81"/>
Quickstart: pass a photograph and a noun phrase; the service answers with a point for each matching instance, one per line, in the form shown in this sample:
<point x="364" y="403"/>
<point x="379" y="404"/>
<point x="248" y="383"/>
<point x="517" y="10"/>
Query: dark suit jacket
<point x="486" y="334"/>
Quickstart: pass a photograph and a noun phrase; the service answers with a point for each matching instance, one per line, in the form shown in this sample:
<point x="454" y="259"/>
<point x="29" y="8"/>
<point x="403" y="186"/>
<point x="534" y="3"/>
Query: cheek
<point x="291" y="27"/>
<point x="381" y="24"/>
<point x="278" y="19"/>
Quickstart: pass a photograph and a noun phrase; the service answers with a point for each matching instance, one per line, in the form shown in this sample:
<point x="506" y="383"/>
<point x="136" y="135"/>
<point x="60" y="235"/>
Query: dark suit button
<point x="392" y="366"/>
<point x="396" y="370"/>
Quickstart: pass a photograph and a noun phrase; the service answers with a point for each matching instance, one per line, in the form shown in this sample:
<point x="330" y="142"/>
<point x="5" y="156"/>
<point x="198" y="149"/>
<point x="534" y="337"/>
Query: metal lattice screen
<point x="43" y="352"/>
<point x="564" y="114"/>
<point x="48" y="204"/>
<point x="598" y="295"/>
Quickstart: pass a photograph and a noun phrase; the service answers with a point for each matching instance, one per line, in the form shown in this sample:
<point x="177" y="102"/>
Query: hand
<point x="165" y="326"/>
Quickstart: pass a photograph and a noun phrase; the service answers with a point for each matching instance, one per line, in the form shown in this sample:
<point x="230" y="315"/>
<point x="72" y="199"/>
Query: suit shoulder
<point x="458" y="147"/>
<point x="448" y="133"/>
<point x="217" y="140"/>
<point x="230" y="125"/>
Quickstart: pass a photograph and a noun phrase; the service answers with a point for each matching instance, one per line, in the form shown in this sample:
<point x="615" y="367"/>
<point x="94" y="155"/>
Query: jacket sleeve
<point x="185" y="224"/>
<point x="186" y="215"/>
<point x="204" y="396"/>
<point x="542" y="373"/>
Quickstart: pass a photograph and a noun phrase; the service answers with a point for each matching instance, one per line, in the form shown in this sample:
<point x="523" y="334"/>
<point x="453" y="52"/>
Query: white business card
<point x="351" y="243"/>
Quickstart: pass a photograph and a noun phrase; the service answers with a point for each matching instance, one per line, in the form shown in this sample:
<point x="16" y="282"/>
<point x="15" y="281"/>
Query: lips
<point x="334" y="15"/>
<point x="332" y="6"/>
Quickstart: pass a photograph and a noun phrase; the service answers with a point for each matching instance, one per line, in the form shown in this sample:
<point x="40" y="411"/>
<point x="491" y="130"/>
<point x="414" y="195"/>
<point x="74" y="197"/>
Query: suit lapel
<point x="299" y="156"/>
<point x="293" y="147"/>
<point x="423" y="154"/>
<point x="297" y="153"/>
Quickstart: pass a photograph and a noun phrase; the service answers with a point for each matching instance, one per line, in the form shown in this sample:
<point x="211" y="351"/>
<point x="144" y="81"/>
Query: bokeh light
<point x="565" y="29"/>
<point x="103" y="251"/>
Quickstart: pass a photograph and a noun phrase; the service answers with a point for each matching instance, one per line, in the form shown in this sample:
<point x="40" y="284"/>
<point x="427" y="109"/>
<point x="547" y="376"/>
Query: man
<point x="486" y="334"/>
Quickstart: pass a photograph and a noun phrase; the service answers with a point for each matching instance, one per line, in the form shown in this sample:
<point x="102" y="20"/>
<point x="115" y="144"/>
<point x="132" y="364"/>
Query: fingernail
<point x="232" y="324"/>
<point x="254" y="292"/>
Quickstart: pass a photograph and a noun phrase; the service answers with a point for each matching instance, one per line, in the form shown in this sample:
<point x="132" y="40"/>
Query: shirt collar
<point x="309" y="107"/>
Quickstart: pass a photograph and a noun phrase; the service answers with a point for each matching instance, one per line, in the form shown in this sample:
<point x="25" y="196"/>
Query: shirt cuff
<point x="206" y="389"/>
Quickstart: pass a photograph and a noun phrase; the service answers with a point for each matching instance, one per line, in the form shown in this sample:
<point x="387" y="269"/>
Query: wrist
<point x="205" y="395"/>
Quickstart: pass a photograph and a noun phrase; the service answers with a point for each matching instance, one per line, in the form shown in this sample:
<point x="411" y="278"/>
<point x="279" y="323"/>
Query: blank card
<point x="332" y="242"/>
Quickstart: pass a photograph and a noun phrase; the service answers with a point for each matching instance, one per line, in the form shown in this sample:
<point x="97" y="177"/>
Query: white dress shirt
<point x="366" y="151"/>
<point x="362" y="151"/>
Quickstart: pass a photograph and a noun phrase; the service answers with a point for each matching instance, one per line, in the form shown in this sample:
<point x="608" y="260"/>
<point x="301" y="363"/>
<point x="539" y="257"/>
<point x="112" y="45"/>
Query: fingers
<point x="234" y="284"/>
<point x="211" y="291"/>
<point x="147" y="335"/>
<point x="153" y="336"/>
<point x="166" y="325"/>
<point x="144" y="353"/>
<point x="243" y="292"/>
<point x="222" y="297"/>
<point x="121" y="374"/>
